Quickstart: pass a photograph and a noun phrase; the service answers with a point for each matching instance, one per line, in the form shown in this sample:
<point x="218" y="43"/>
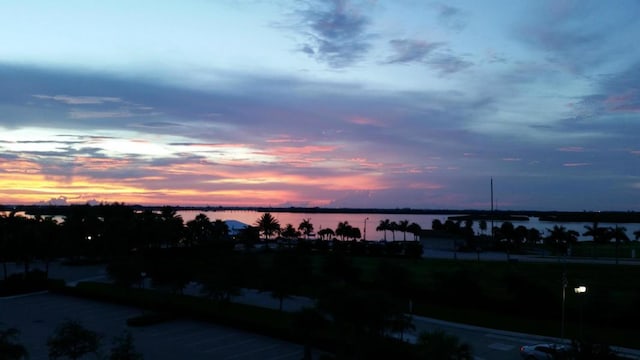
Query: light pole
<point x="564" y="288"/>
<point x="365" y="228"/>
<point x="580" y="291"/>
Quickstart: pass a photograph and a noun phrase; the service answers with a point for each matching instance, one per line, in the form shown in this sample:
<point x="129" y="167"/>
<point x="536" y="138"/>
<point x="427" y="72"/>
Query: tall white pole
<point x="492" y="232"/>
<point x="365" y="228"/>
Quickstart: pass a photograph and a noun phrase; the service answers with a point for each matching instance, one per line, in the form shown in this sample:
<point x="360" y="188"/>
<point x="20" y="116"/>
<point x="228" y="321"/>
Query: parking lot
<point x="36" y="316"/>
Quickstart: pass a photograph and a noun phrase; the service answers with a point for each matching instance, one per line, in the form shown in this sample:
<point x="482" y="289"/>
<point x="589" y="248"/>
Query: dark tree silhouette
<point x="619" y="234"/>
<point x="403" y="226"/>
<point x="561" y="237"/>
<point x="221" y="278"/>
<point x="343" y="229"/>
<point x="172" y="227"/>
<point x="10" y="347"/>
<point x="249" y="236"/>
<point x="309" y="321"/>
<point x="268" y="225"/>
<point x="440" y="345"/>
<point x="199" y="231"/>
<point x="599" y="234"/>
<point x="483" y="226"/>
<point x="384" y="226"/>
<point x="306" y="227"/>
<point x="393" y="227"/>
<point x="72" y="340"/>
<point x="437" y="225"/>
<point x="415" y="229"/>
<point x="326" y="233"/>
<point x="219" y="230"/>
<point x="124" y="348"/>
<point x="287" y="273"/>
<point x="289" y="232"/>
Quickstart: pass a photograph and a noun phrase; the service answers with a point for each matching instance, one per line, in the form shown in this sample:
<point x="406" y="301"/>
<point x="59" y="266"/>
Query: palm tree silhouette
<point x="619" y="233"/>
<point x="306" y="227"/>
<point x="384" y="226"/>
<point x="403" y="226"/>
<point x="393" y="227"/>
<point x="415" y="229"/>
<point x="268" y="225"/>
<point x="598" y="233"/>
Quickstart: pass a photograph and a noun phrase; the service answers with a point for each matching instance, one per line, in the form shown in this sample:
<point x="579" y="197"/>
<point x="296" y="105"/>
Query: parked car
<point x="545" y="352"/>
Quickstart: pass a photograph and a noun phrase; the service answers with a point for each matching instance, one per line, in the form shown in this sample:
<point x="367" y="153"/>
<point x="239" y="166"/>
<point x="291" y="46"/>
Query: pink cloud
<point x="361" y="120"/>
<point x="626" y="102"/>
<point x="571" y="149"/>
<point x="576" y="164"/>
<point x="286" y="139"/>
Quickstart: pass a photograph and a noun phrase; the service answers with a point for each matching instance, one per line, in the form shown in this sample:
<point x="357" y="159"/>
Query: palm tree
<point x="415" y="229"/>
<point x="483" y="226"/>
<point x="393" y="227"/>
<point x="507" y="233"/>
<point x="10" y="348"/>
<point x="561" y="237"/>
<point x="290" y="233"/>
<point x="219" y="230"/>
<point x="172" y="226"/>
<point x="468" y="225"/>
<point x="402" y="226"/>
<point x="384" y="226"/>
<point x="533" y="236"/>
<point x="619" y="233"/>
<point x="344" y="229"/>
<point x="268" y="225"/>
<point x="598" y="233"/>
<point x="199" y="230"/>
<point x="306" y="227"/>
<point x="328" y="233"/>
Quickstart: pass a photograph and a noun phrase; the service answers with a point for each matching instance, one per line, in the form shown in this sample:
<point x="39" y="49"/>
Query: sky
<point x="337" y="103"/>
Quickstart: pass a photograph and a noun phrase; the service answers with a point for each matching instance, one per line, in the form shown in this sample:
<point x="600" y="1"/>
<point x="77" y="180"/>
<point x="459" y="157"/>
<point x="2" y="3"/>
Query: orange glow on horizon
<point x="24" y="188"/>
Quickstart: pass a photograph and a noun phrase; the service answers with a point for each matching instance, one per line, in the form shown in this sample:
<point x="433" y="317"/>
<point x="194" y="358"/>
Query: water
<point x="331" y="220"/>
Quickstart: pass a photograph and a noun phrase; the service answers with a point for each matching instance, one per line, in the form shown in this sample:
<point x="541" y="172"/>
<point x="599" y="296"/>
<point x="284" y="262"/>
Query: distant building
<point x="235" y="227"/>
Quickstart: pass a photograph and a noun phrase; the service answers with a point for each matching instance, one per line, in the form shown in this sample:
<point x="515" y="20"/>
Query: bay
<point x="331" y="220"/>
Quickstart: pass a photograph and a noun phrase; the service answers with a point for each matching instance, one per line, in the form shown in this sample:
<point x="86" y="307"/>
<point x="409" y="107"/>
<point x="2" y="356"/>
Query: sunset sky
<point x="392" y="104"/>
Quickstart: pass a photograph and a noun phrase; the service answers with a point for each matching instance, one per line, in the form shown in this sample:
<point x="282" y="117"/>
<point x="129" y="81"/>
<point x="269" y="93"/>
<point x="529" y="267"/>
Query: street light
<point x="365" y="229"/>
<point x="580" y="290"/>
<point x="564" y="287"/>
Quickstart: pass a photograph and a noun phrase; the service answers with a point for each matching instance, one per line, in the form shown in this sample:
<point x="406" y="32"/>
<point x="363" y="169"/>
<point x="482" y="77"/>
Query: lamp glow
<point x="580" y="289"/>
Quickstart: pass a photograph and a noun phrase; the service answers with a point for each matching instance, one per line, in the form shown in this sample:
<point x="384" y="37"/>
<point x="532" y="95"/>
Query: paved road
<point x="487" y="343"/>
<point x="37" y="315"/>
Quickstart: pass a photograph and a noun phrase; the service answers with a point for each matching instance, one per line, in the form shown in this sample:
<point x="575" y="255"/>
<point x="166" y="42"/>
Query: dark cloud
<point x="433" y="54"/>
<point x="407" y="51"/>
<point x="337" y="32"/>
<point x="449" y="64"/>
<point x="557" y="28"/>
<point x="618" y="95"/>
<point x="451" y="17"/>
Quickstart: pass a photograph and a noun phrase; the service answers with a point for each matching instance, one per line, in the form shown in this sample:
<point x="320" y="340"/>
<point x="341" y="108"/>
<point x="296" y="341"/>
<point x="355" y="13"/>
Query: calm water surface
<point x="331" y="220"/>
